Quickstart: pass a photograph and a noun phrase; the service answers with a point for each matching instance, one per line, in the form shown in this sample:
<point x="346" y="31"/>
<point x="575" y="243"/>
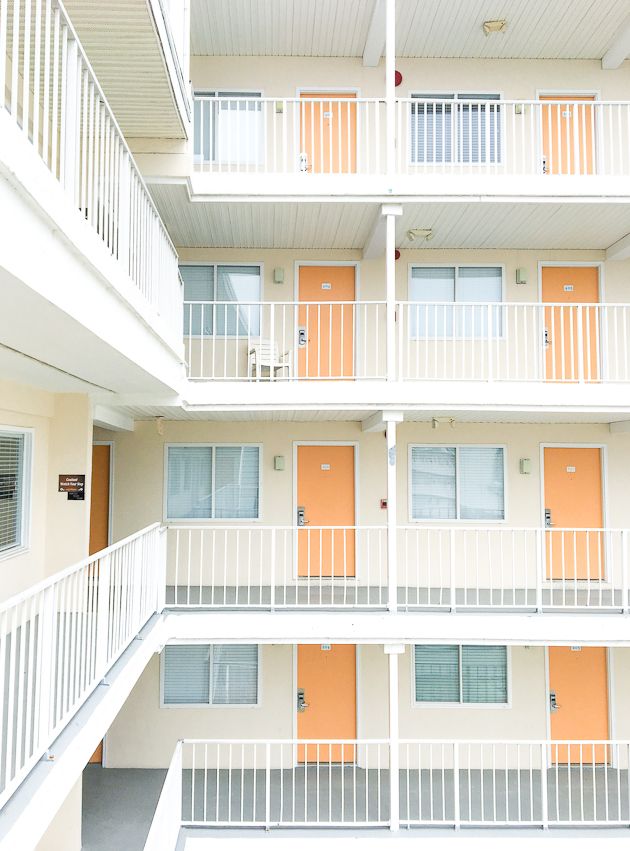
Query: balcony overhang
<point x="140" y="61"/>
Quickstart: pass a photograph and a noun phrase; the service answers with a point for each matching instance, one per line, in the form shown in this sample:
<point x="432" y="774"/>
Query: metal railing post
<point x="102" y="615"/>
<point x="625" y="603"/>
<point x="272" y="589"/>
<point x="46" y="654"/>
<point x="70" y="107"/>
<point x="457" y="817"/>
<point x="543" y="786"/>
<point x="540" y="567"/>
<point x="268" y="785"/>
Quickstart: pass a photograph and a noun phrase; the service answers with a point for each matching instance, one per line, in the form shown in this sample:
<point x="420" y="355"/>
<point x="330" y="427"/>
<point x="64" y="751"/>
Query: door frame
<point x="357" y="547"/>
<point x="609" y="684"/>
<point x="295" y="688"/>
<point x="575" y="93"/>
<point x="297" y="264"/>
<point x="110" y="508"/>
<point x="578" y="264"/>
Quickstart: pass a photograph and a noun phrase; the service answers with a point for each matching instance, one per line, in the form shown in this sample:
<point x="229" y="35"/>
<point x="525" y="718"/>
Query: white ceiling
<point x="537" y="29"/>
<point x="345" y="225"/>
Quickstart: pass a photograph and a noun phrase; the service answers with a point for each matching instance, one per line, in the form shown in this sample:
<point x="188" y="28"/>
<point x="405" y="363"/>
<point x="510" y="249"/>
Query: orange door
<point x="328" y="681"/>
<point x="568" y="134"/>
<point x="578" y="682"/>
<point x="572" y="335"/>
<point x="326" y="330"/>
<point x="574" y="501"/>
<point x="325" y="493"/>
<point x="99" y="519"/>
<point x="328" y="132"/>
<point x="99" y="499"/>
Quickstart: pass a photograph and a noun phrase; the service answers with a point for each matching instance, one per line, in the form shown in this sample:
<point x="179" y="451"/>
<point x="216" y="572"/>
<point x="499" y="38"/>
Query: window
<point x="222" y="300"/>
<point x="469" y="674"/>
<point x="210" y="675"/>
<point x="455" y="128"/>
<point x="473" y="288"/>
<point x="457" y="483"/>
<point x="228" y="127"/>
<point x="212" y="482"/>
<point x="14" y="463"/>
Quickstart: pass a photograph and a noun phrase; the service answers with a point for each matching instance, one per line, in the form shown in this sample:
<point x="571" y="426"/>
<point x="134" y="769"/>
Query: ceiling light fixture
<point x="420" y="233"/>
<point x="498" y="26"/>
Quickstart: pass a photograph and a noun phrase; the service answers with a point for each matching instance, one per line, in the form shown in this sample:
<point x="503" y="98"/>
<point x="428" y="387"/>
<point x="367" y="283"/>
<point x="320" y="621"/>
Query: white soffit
<point x="261" y="225"/>
<point x="339" y="225"/>
<point x="537" y="29"/>
<point x="123" y="47"/>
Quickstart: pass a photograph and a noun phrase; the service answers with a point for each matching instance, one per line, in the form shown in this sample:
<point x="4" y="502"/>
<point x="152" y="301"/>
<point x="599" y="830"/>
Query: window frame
<point x="199" y="521"/>
<point x="455" y="95"/>
<point x="24" y="543"/>
<point x="457" y="336"/>
<point x="436" y="704"/>
<point x="210" y="705"/>
<point x="458" y="521"/>
<point x="253" y="92"/>
<point x="215" y="265"/>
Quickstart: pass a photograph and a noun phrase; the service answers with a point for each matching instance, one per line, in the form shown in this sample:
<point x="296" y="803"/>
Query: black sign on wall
<point x="73" y="485"/>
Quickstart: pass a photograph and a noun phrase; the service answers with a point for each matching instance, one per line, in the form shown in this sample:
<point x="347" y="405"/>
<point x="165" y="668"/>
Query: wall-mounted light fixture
<point x="521" y="275"/>
<point x="278" y="462"/>
<point x="525" y="466"/>
<point x="278" y="275"/>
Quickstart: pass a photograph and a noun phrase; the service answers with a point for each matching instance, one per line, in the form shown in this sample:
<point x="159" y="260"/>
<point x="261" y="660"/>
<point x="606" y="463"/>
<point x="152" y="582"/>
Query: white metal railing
<point x="60" y="637"/>
<point x="347" y="783"/>
<point x="273" y="567"/>
<point x="573" y="137"/>
<point x="537" y="783"/>
<point x="274" y="341"/>
<point x="311" y="135"/>
<point x="513" y="341"/>
<point x="438" y="568"/>
<point x="285" y="782"/>
<point x="50" y="91"/>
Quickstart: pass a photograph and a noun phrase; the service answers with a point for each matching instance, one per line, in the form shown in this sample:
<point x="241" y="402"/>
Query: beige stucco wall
<point x="64" y="832"/>
<point x="61" y="428"/>
<point x="144" y="735"/>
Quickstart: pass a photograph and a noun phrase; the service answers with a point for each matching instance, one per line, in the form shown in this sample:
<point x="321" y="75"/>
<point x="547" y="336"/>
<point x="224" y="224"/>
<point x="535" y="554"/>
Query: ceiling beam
<point x="375" y="40"/>
<point x="375" y="244"/>
<point x="619" y="47"/>
<point x="621" y="427"/>
<point x="619" y="250"/>
<point x="379" y="419"/>
<point x="112" y="419"/>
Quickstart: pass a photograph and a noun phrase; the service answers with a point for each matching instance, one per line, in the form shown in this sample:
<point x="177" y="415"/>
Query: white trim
<point x="438" y="704"/>
<point x="456" y="521"/>
<point x="357" y="549"/>
<point x="110" y="507"/>
<point x="26" y="504"/>
<point x="212" y="520"/>
<point x="210" y="705"/>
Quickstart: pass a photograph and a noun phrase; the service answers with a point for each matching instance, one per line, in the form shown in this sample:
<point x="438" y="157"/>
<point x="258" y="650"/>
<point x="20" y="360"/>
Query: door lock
<point x="553" y="702"/>
<point x="302" y="705"/>
<point x="547" y="338"/>
<point x="302" y="338"/>
<point x="548" y="523"/>
<point x="301" y="516"/>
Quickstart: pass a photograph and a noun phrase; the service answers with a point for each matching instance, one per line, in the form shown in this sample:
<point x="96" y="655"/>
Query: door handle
<point x="554" y="706"/>
<point x="547" y="337"/>
<point x="548" y="523"/>
<point x="301" y="516"/>
<point x="302" y="338"/>
<point x="302" y="705"/>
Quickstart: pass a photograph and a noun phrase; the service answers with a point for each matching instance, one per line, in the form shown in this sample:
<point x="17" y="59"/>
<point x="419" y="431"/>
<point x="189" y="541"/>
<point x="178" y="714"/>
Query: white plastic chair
<point x="264" y="355"/>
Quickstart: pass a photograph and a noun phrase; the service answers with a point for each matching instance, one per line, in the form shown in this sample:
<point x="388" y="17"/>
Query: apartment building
<point x="314" y="419"/>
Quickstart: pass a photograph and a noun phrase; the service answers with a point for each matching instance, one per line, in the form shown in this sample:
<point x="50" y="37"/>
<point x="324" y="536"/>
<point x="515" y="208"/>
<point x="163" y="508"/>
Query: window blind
<point x="433" y="483"/>
<point x="186" y="674"/>
<point x="481" y="483"/>
<point x="484" y="674"/>
<point x="431" y="127"/>
<point x="431" y="284"/>
<point x="239" y="129"/>
<point x="437" y="673"/>
<point x="455" y="132"/>
<point x="483" y="285"/>
<point x="198" y="287"/>
<point x="12" y="448"/>
<point x="478" y="129"/>
<point x="236" y="482"/>
<point x="235" y="674"/>
<point x="238" y="284"/>
<point x="189" y="482"/>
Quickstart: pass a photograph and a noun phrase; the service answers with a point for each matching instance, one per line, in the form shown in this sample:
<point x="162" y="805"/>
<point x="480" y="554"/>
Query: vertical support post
<point x="392" y="513"/>
<point x="102" y="615"/>
<point x="268" y="785"/>
<point x="46" y="655"/>
<point x="540" y="566"/>
<point x="390" y="86"/>
<point x="160" y="569"/>
<point x="393" y="651"/>
<point x="390" y="211"/>
<point x="272" y="581"/>
<point x="71" y="124"/>
<point x="544" y="799"/>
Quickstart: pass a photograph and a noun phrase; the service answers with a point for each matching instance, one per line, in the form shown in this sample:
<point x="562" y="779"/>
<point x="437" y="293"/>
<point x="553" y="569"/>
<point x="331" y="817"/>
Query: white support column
<point x="390" y="85"/>
<point x="393" y="651"/>
<point x="392" y="514"/>
<point x="390" y="211"/>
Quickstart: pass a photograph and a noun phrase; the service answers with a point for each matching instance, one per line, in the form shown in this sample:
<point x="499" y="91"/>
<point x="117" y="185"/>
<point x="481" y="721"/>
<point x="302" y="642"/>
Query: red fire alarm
<point x="396" y="254"/>
<point x="398" y="78"/>
<point x="384" y="503"/>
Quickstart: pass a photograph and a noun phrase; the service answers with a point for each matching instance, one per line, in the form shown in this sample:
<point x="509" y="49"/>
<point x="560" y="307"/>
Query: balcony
<point x="439" y="569"/>
<point x="557" y="343"/>
<point x="311" y="139"/>
<point x="347" y="783"/>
